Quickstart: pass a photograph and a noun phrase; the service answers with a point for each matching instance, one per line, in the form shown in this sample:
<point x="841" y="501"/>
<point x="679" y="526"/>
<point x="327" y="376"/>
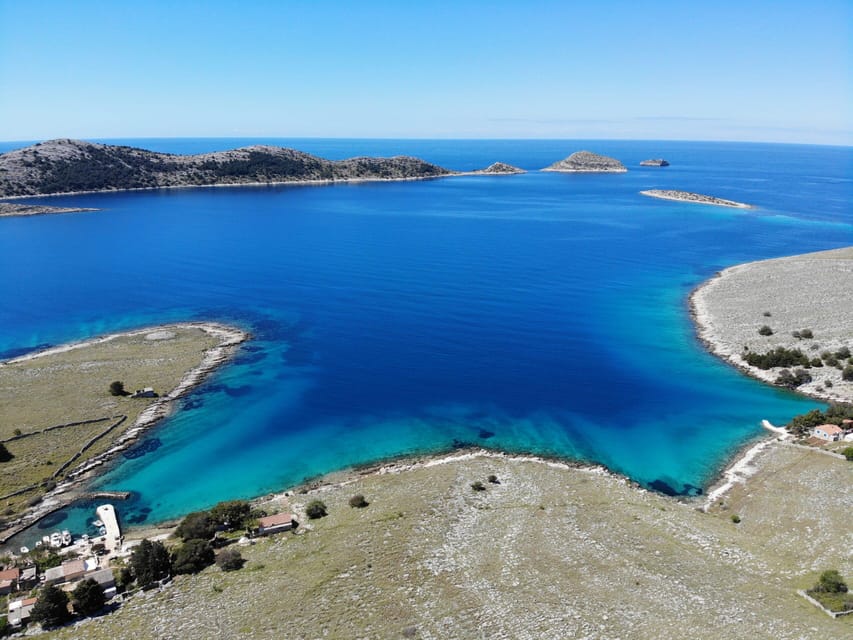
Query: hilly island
<point x="72" y="166"/>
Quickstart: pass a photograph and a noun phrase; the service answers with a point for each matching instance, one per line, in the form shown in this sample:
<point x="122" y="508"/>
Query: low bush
<point x="806" y="333"/>
<point x="765" y="330"/>
<point x="493" y="479"/>
<point x="735" y="518"/>
<point x="478" y="486"/>
<point x="316" y="509"/>
<point x="778" y="357"/>
<point x="358" y="501"/>
<point x="230" y="560"/>
<point x="848" y="453"/>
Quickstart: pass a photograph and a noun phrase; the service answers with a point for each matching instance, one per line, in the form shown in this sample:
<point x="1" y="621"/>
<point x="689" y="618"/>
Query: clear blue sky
<point x="766" y="71"/>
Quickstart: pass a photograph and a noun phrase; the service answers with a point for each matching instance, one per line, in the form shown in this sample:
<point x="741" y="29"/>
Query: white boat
<point x="38" y="544"/>
<point x="97" y="523"/>
<point x="56" y="539"/>
<point x="45" y="540"/>
<point x="85" y="537"/>
<point x="25" y="549"/>
<point x="102" y="531"/>
<point x="66" y="537"/>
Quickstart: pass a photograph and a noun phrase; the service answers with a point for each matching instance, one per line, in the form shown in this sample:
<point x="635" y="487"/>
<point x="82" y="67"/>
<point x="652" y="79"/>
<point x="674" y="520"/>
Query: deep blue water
<point x="541" y="313"/>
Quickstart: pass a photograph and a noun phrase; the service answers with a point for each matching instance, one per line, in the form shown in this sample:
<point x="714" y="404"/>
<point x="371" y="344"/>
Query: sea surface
<point x="543" y="313"/>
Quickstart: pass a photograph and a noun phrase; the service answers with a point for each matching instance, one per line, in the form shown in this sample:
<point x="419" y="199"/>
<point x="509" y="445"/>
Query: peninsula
<point x="64" y="411"/>
<point x="797" y="309"/>
<point x="73" y="166"/>
<point x="688" y="196"/>
<point x="587" y="162"/>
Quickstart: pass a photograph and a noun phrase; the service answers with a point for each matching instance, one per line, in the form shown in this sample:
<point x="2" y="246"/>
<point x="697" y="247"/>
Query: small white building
<point x="828" y="432"/>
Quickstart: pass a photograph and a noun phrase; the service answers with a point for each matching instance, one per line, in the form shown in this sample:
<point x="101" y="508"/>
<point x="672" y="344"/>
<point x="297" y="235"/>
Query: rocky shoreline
<point x="809" y="291"/>
<point x="69" y="490"/>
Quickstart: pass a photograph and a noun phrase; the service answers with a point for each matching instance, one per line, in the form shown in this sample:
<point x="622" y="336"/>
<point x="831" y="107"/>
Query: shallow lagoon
<point x="540" y="312"/>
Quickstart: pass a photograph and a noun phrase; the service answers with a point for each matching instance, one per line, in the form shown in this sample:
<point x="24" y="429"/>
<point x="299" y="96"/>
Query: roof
<point x="73" y="566"/>
<point x="54" y="573"/>
<point x="10" y="574"/>
<point x="276" y="520"/>
<point x="102" y="576"/>
<point x="829" y="428"/>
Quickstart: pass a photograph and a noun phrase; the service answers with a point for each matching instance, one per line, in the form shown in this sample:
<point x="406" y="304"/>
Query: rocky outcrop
<point x="499" y="168"/>
<point x="688" y="196"/>
<point x="587" y="162"/>
<point x="68" y="166"/>
<point x="654" y="162"/>
<point x="14" y="209"/>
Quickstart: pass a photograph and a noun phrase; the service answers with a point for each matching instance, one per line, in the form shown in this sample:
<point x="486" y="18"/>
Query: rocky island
<point x="74" y="166"/>
<point x="587" y="162"/>
<point x="654" y="162"/>
<point x="499" y="168"/>
<point x="688" y="196"/>
<point x="9" y="209"/>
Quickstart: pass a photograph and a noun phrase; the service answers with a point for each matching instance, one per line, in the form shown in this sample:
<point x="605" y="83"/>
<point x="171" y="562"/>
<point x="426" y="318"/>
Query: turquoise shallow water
<point x="540" y="313"/>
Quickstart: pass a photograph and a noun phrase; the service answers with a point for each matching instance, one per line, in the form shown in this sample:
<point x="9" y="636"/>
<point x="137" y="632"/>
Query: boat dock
<point x="112" y="539"/>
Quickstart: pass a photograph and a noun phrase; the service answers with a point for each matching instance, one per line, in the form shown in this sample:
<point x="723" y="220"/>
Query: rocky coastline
<point x="808" y="292"/>
<point x="70" y="489"/>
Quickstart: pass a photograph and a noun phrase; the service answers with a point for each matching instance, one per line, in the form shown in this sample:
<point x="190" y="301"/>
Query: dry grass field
<point x="550" y="552"/>
<point x="73" y="386"/>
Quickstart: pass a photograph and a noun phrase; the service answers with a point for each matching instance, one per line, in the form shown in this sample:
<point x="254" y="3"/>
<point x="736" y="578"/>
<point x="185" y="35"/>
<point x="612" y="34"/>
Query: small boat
<point x="25" y="549"/>
<point x="56" y="539"/>
<point x="66" y="537"/>
<point x="97" y="523"/>
<point x="45" y="540"/>
<point x="85" y="537"/>
<point x="38" y="544"/>
<point x="102" y="531"/>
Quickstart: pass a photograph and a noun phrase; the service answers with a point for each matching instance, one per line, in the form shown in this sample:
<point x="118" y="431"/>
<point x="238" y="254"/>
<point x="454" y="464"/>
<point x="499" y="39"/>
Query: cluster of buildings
<point x="66" y="576"/>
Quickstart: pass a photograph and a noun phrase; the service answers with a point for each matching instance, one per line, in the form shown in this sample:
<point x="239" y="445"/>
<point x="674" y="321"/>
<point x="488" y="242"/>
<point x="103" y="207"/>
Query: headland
<point x="61" y="419"/>
<point x="801" y="304"/>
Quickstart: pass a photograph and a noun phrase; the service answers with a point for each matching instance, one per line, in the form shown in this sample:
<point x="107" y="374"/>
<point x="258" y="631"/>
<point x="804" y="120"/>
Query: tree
<point x="51" y="608"/>
<point x="88" y="597"/>
<point x="848" y="453"/>
<point x="230" y="560"/>
<point x="196" y="526"/>
<point x="830" y="582"/>
<point x="5" y="456"/>
<point x="117" y="388"/>
<point x="315" y="509"/>
<point x="150" y="562"/>
<point x="192" y="556"/>
<point x="231" y="514"/>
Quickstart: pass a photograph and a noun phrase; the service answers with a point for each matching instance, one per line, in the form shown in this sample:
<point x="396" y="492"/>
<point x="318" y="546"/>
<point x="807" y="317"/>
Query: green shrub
<point x="778" y="357"/>
<point x="493" y="479"/>
<point x="316" y="509"/>
<point x="765" y="330"/>
<point x="88" y="597"/>
<point x="51" y="608"/>
<point x="230" y="560"/>
<point x="816" y="362"/>
<point x="192" y="556"/>
<point x="196" y="526"/>
<point x="843" y="353"/>
<point x="830" y="581"/>
<point x="848" y="453"/>
<point x="478" y="486"/>
<point x="150" y="562"/>
<point x="117" y="388"/>
<point x="806" y="333"/>
<point x="735" y="518"/>
<point x="847" y="374"/>
<point x="358" y="501"/>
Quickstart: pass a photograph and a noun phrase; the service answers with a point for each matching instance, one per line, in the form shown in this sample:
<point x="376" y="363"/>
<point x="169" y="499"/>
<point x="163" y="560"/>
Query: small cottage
<point x="828" y="432"/>
<point x="9" y="580"/>
<point x="147" y="392"/>
<point x="276" y="524"/>
<point x="19" y="611"/>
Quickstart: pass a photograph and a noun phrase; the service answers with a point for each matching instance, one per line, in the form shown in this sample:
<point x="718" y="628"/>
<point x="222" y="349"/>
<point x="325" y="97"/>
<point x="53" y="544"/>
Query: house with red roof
<point x="276" y="524"/>
<point x="828" y="432"/>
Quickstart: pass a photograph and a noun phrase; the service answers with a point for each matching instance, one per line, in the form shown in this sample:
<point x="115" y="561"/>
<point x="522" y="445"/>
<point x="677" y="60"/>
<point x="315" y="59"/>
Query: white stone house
<point x="828" y="432"/>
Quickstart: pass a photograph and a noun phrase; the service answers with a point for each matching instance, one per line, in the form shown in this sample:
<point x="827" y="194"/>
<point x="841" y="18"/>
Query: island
<point x="60" y="421"/>
<point x="654" y="162"/>
<point x="498" y="168"/>
<point x="66" y="166"/>
<point x="688" y="196"/>
<point x="786" y="314"/>
<point x="587" y="162"/>
<point x="10" y="209"/>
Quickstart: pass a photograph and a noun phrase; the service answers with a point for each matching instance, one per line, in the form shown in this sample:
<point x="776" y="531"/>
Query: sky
<point x="770" y="71"/>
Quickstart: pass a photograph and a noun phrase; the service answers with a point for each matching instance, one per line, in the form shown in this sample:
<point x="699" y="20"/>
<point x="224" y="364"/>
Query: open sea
<point x="543" y="313"/>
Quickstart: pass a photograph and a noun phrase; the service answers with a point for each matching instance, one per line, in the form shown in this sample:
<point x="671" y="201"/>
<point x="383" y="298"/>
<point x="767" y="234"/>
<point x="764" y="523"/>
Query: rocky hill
<point x="63" y="166"/>
<point x="500" y="168"/>
<point x="587" y="162"/>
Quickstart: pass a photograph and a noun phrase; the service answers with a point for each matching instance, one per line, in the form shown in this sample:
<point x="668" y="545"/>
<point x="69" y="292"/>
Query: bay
<point x="543" y="313"/>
